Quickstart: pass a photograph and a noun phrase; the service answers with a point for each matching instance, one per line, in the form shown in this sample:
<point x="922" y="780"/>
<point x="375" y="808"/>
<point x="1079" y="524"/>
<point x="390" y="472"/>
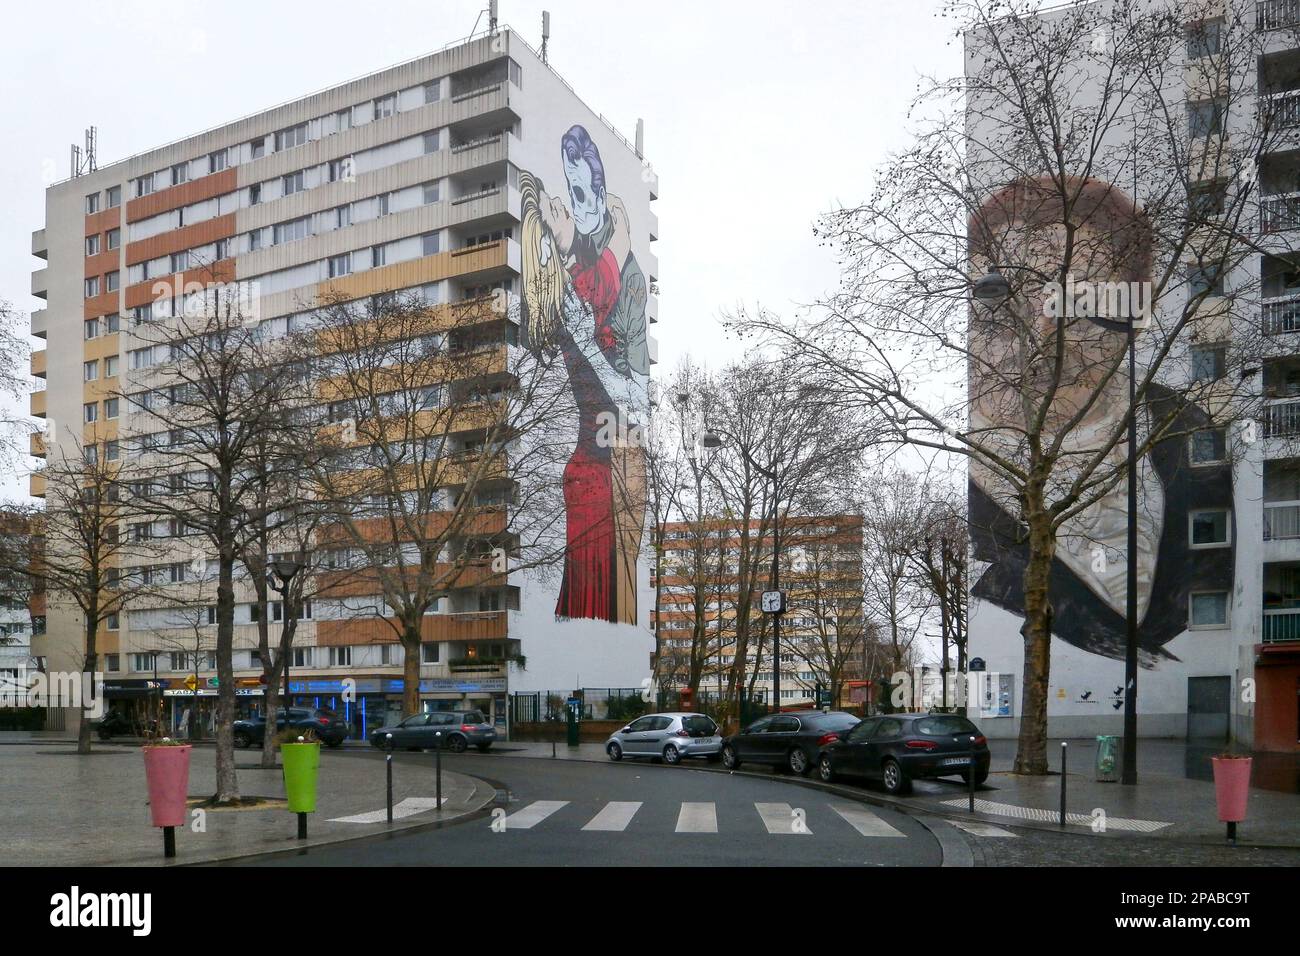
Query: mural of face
<point x="588" y="200"/>
<point x="559" y="221"/>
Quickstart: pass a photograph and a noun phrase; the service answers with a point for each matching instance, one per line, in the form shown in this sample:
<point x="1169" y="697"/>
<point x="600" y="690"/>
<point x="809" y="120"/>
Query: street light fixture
<point x="286" y="569"/>
<point x="993" y="288"/>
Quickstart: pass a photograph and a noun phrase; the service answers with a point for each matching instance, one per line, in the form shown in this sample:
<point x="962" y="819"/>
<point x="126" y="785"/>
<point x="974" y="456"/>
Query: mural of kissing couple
<point x="585" y="295"/>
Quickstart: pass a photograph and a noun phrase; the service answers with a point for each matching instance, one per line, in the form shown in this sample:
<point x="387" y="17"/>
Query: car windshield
<point x="699" y="726"/>
<point x="942" y="724"/>
<point x="474" y="718"/>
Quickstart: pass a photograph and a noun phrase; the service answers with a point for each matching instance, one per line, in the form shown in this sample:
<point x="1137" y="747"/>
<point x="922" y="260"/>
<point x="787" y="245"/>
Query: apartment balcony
<point x="1280" y="315"/>
<point x="1280" y="212"/>
<point x="38" y="404"/>
<point x="40" y="284"/>
<point x="40" y="247"/>
<point x="466" y="626"/>
<point x="36" y="485"/>
<point x="1277" y="14"/>
<point x="38" y="363"/>
<point x="40" y="323"/>
<point x="36" y="445"/>
<point x="1281" y="624"/>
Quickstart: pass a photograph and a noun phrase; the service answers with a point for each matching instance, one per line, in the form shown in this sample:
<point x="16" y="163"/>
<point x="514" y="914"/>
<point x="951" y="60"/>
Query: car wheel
<point x="797" y="760"/>
<point x="458" y="744"/>
<point x="242" y="740"/>
<point x="615" y="752"/>
<point x="980" y="777"/>
<point x="729" y="758"/>
<point x="824" y="769"/>
<point x="672" y="755"/>
<point x="896" y="781"/>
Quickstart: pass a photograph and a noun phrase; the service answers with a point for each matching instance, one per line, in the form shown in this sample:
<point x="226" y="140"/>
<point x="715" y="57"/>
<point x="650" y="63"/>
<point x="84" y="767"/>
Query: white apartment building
<point x="405" y="180"/>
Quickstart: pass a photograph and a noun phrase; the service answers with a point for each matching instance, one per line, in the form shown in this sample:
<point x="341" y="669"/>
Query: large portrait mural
<point x="585" y="295"/>
<point x="1088" y="575"/>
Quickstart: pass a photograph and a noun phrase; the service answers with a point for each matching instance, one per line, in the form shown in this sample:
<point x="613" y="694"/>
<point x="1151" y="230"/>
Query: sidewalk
<point x="62" y="809"/>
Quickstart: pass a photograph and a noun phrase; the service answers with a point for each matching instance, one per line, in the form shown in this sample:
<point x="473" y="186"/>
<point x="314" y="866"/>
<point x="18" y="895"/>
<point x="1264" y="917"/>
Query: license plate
<point x="704" y="741"/>
<point x="955" y="761"/>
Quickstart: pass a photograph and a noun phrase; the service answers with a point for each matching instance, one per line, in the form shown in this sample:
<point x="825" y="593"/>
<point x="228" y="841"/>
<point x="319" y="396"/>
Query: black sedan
<point x="899" y="748"/>
<point x="328" y="726"/>
<point x="789" y="741"/>
<point x="456" y="730"/>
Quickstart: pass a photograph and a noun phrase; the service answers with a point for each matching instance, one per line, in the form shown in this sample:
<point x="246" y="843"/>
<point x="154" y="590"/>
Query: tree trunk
<point x="227" y="783"/>
<point x="92" y="659"/>
<point x="411" y="669"/>
<point x="1031" y="749"/>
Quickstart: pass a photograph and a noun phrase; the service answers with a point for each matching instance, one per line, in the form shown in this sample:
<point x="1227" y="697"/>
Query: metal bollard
<point x="970" y="776"/>
<point x="169" y="842"/>
<point x="302" y="826"/>
<point x="1064" y="751"/>
<point x="438" y="764"/>
<point x="388" y="759"/>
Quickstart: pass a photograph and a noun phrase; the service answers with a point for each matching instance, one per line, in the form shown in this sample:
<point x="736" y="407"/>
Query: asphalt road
<point x="576" y="813"/>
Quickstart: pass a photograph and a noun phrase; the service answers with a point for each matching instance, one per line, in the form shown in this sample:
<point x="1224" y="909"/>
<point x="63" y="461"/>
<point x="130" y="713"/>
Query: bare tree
<point x="940" y="556"/>
<point x="442" y="454"/>
<point x="1069" y="157"/>
<point x="15" y="383"/>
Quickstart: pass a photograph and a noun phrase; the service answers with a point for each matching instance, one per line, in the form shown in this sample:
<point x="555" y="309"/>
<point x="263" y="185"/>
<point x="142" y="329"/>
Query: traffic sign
<point x="212" y="682"/>
<point x="191" y="682"/>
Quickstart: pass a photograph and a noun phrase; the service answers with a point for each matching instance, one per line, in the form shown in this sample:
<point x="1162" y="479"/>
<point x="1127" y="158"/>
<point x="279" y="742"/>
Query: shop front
<point x="367" y="703"/>
<point x="139" y="701"/>
<point x="192" y="713"/>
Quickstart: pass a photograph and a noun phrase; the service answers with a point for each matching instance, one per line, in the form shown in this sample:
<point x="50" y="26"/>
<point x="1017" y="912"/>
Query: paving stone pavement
<point x="64" y="809"/>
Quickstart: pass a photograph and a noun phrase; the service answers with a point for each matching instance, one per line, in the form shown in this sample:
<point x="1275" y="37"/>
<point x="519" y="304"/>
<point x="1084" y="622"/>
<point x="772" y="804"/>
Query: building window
<point x="431" y="141"/>
<point x="92" y="287"/>
<point x="429" y="653"/>
<point x="112" y="663"/>
<point x="114" y="197"/>
<point x="110" y="408"/>
<point x="432" y="91"/>
<point x="291" y="137"/>
<point x="344" y="119"/>
<point x="144" y="185"/>
<point x="385" y="106"/>
<point x="1211" y="528"/>
<point x="112" y="450"/>
<point x="90" y="370"/>
<point x="92" y="203"/>
<point x="340" y="265"/>
<point x="1205" y="118"/>
<point x="1208" y="362"/>
<point x="1209" y="609"/>
<point x="1203" y="39"/>
<point x="293" y="183"/>
<point x="254" y="194"/>
<point x="113" y="238"/>
<point x="1207" y="200"/>
<point x="341" y="170"/>
<point x="1204" y="281"/>
<point x="111" y="363"/>
<point x="430" y="193"/>
<point x="180" y="173"/>
<point x="112" y="281"/>
<point x="1209" y="446"/>
<point x="302" y="657"/>
<point x="142" y="662"/>
<point x="429" y="243"/>
<point x="378" y="256"/>
<point x="342" y="217"/>
<point x="92" y="328"/>
<point x="221" y="249"/>
<point x="218" y="161"/>
<point x="516" y="74"/>
<point x="90" y="412"/>
<point x="341" y="656"/>
<point x="92" y="245"/>
<point x="112" y="622"/>
<point x="257" y="148"/>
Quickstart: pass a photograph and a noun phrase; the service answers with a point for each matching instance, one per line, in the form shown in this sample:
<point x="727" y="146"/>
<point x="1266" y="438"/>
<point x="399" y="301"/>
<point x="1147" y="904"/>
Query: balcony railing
<point x="1281" y="212"/>
<point x="1277" y="14"/>
<point x="1281" y="315"/>
<point x="1281" y="624"/>
<point x="1282" y="420"/>
<point x="1281" y="520"/>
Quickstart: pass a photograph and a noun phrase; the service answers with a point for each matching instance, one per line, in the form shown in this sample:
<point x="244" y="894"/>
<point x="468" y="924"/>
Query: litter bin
<point x="1108" y="759"/>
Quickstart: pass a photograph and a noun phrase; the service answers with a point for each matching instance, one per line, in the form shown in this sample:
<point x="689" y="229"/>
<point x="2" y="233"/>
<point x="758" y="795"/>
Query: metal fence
<point x="624" y="703"/>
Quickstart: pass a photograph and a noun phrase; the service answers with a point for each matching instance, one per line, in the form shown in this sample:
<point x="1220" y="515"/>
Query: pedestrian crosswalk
<point x="703" y="818"/>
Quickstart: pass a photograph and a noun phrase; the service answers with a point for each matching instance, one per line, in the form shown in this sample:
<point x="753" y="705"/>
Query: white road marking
<point x="406" y="808"/>
<point x="614" y="817"/>
<point x="533" y="814"/>
<point x="697" y="818"/>
<point x="780" y="818"/>
<point x="864" y="821"/>
<point x="1052" y="816"/>
<point x="976" y="828"/>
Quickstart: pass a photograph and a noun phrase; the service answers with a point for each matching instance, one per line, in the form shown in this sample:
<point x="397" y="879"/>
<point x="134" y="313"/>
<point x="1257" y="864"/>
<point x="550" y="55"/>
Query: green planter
<point x="301" y="770"/>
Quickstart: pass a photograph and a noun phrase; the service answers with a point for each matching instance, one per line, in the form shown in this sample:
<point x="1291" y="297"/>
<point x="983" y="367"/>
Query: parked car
<point x="899" y="748"/>
<point x="327" y="725"/>
<point x="459" y="729"/>
<point x="790" y="741"/>
<point x="116" y="724"/>
<point x="670" y="737"/>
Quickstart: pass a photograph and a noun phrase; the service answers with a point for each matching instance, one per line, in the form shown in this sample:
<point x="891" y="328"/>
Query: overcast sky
<point x="758" y="116"/>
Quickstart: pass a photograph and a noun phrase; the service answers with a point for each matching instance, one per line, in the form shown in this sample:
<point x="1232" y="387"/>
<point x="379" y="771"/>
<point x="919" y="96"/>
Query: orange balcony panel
<point x="472" y="626"/>
<point x="38" y="403"/>
<point x="103" y="304"/>
<point x="103" y="221"/>
<point x="173" y="197"/>
<point x="36" y="486"/>
<point x="38" y="363"/>
<point x="364" y="581"/>
<point x="487" y="521"/>
<point x="187" y="237"/>
<point x="142" y="293"/>
<point x="36" y="445"/>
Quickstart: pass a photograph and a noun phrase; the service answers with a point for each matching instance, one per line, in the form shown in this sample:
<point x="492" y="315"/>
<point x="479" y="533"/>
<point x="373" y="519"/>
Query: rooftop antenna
<point x="640" y="137"/>
<point x="92" y="135"/>
<point x="76" y="160"/>
<point x="546" y="31"/>
<point x="492" y="17"/>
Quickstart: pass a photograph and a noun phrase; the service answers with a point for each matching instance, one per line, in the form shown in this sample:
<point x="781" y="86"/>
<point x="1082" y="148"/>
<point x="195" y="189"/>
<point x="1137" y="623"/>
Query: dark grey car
<point x="457" y="730"/>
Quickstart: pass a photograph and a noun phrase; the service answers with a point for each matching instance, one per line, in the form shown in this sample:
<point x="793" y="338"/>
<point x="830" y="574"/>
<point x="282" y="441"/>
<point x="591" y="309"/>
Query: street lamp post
<point x="285" y="569"/>
<point x="993" y="289"/>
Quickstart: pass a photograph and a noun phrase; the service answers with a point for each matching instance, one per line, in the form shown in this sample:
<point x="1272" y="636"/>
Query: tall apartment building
<point x="822" y="630"/>
<point x="1220" y="617"/>
<point x="405" y="180"/>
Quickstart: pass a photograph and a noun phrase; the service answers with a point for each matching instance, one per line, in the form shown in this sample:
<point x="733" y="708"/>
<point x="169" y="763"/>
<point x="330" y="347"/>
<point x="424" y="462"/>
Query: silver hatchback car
<point x="668" y="736"/>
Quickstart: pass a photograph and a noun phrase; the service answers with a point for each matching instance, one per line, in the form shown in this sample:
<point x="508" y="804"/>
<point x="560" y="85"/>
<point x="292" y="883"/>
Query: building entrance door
<point x="1209" y="702"/>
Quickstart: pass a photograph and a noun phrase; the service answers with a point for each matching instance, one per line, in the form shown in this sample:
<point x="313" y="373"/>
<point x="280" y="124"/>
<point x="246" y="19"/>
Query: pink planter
<point x="167" y="770"/>
<point x="1231" y="787"/>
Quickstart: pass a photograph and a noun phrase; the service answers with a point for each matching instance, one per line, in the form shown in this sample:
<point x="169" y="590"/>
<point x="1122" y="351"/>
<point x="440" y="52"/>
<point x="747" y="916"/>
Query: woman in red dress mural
<point x="585" y="294"/>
